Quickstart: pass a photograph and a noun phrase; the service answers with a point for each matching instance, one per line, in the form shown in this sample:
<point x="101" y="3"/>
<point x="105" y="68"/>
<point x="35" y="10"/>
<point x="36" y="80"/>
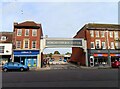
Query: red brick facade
<point x="31" y="26"/>
<point x="97" y="30"/>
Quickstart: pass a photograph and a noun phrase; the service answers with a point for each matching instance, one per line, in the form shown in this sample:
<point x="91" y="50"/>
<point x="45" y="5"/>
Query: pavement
<point x="67" y="66"/>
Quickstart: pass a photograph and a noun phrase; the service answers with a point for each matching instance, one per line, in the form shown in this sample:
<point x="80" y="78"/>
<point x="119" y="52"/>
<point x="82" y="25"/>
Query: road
<point x="64" y="77"/>
<point x="64" y="66"/>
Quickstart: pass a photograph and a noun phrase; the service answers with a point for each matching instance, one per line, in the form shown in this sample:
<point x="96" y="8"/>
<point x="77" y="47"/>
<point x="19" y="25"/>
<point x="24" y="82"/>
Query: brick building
<point x="103" y="45"/>
<point x="26" y="43"/>
<point x="5" y="47"/>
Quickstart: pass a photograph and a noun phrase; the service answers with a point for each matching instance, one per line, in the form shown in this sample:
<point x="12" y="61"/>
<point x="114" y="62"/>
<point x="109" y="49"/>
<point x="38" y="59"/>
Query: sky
<point x="59" y="18"/>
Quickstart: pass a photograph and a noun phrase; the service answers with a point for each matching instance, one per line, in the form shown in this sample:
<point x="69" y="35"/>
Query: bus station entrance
<point x="60" y="43"/>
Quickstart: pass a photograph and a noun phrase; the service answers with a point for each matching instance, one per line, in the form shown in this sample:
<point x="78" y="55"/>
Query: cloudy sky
<point x="58" y="18"/>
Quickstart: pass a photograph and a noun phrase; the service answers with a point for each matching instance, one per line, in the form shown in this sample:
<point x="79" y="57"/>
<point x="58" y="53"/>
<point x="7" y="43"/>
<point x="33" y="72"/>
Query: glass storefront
<point x="26" y="57"/>
<point x="100" y="61"/>
<point x="29" y="61"/>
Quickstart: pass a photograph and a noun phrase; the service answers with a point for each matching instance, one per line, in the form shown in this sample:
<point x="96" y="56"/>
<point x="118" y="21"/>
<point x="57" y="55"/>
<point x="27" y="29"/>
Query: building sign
<point x="26" y="52"/>
<point x="64" y="42"/>
<point x="104" y="51"/>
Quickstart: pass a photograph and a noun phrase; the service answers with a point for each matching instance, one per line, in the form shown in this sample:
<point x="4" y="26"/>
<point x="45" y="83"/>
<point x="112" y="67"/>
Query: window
<point x="97" y="33"/>
<point x="102" y="33"/>
<point x="92" y="33"/>
<point x="112" y="45"/>
<point x="26" y="32"/>
<point x="3" y="38"/>
<point x="103" y="45"/>
<point x="33" y="44"/>
<point x="19" y="32"/>
<point x="16" y="64"/>
<point x="111" y="34"/>
<point x="34" y="32"/>
<point x="117" y="44"/>
<point x="97" y="44"/>
<point x="116" y="34"/>
<point x="26" y="43"/>
<point x="1" y="49"/>
<point x="92" y="45"/>
<point x="18" y="44"/>
<point x="10" y="64"/>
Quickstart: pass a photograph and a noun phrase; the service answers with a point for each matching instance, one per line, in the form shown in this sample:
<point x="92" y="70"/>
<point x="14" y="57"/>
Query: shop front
<point x="26" y="57"/>
<point x="103" y="57"/>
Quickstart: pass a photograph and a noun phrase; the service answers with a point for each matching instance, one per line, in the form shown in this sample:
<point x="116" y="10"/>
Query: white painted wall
<point x="8" y="47"/>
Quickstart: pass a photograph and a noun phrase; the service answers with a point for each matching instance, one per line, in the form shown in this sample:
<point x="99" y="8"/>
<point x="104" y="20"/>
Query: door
<point x="16" y="66"/>
<point x="91" y="61"/>
<point x="11" y="65"/>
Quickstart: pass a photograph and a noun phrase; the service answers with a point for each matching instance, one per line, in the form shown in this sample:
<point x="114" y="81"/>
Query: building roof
<point x="102" y="26"/>
<point x="27" y="24"/>
<point x="8" y="36"/>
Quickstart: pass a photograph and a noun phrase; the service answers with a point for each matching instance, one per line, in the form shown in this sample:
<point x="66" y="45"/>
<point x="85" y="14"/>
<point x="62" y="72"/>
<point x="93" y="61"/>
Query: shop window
<point x="102" y="33"/>
<point x="92" y="33"/>
<point x="112" y="45"/>
<point x="92" y="45"/>
<point x="18" y="44"/>
<point x="103" y="45"/>
<point x="33" y="44"/>
<point x="97" y="33"/>
<point x="26" y="32"/>
<point x="111" y="34"/>
<point x="1" y="49"/>
<point x="34" y="32"/>
<point x="19" y="32"/>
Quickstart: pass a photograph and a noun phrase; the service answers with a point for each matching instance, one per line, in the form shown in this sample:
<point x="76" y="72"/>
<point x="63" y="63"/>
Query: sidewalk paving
<point x="96" y="67"/>
<point x="37" y="69"/>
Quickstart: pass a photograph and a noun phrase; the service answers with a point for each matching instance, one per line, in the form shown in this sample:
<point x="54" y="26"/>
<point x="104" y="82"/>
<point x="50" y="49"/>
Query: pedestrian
<point x="48" y="62"/>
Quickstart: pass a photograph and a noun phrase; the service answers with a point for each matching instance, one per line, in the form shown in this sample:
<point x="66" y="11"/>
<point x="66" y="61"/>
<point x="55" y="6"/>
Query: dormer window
<point x="3" y="38"/>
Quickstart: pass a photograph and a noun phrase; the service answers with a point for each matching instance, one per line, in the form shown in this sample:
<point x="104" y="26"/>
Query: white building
<point x="5" y="47"/>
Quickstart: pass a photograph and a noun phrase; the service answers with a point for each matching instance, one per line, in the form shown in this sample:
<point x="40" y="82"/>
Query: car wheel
<point x="21" y="69"/>
<point x="5" y="70"/>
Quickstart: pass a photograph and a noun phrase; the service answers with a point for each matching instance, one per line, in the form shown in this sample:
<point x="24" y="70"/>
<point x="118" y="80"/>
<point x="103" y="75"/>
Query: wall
<point x="8" y="46"/>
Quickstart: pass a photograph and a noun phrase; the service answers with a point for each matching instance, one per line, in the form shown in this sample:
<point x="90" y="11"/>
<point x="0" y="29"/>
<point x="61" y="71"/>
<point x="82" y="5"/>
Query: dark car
<point x="116" y="64"/>
<point x="14" y="66"/>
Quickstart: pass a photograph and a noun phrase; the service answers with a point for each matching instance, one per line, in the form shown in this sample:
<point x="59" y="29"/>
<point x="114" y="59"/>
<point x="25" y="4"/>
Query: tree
<point x="50" y="55"/>
<point x="67" y="53"/>
<point x="56" y="52"/>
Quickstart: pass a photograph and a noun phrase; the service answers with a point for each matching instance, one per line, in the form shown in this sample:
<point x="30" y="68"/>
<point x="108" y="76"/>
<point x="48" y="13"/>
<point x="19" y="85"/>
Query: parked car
<point x="64" y="60"/>
<point x="14" y="66"/>
<point x="116" y="64"/>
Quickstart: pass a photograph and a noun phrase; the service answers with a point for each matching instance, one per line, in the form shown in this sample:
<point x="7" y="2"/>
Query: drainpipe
<point x="86" y="52"/>
<point x="109" y="58"/>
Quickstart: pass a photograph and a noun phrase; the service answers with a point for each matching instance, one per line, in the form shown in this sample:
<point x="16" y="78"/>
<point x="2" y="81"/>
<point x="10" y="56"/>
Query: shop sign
<point x="26" y="52"/>
<point x="105" y="55"/>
